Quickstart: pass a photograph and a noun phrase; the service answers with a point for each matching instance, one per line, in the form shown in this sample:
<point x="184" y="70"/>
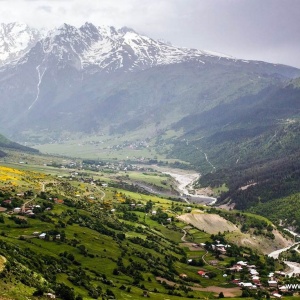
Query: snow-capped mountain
<point x="86" y="78"/>
<point x="15" y="40"/>
<point x="95" y="48"/>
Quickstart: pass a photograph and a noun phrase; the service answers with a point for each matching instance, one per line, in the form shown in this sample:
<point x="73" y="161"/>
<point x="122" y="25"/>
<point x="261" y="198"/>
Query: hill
<point x="5" y="143"/>
<point x="76" y="236"/>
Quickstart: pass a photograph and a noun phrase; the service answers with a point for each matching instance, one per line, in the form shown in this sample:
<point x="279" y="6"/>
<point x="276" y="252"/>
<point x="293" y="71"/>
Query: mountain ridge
<point x="102" y="79"/>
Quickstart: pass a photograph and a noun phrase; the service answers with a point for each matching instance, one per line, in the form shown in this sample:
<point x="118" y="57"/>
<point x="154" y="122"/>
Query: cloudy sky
<point x="266" y="30"/>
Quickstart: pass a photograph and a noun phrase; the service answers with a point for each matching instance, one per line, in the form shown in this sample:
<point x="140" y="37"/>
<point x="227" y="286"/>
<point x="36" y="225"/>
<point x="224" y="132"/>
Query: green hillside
<point x="253" y="142"/>
<point x="5" y="143"/>
<point x="103" y="241"/>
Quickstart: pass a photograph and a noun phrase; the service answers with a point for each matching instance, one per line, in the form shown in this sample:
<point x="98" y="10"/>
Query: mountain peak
<point x="15" y="40"/>
<point x="126" y="29"/>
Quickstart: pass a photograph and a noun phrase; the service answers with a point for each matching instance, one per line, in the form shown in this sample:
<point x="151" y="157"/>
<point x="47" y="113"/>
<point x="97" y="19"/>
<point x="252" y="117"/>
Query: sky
<point x="267" y="30"/>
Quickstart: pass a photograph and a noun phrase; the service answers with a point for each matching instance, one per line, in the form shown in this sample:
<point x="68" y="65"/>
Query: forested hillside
<point x="251" y="145"/>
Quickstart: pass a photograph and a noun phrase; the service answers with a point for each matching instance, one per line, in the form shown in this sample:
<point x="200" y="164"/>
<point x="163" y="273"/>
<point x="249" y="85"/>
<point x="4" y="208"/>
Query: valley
<point x="131" y="168"/>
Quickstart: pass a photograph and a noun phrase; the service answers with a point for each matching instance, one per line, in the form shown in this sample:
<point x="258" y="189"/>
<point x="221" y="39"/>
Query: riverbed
<point x="294" y="267"/>
<point x="185" y="180"/>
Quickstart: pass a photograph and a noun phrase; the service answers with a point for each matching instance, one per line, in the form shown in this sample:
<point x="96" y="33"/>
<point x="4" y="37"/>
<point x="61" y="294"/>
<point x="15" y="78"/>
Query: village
<point x="247" y="275"/>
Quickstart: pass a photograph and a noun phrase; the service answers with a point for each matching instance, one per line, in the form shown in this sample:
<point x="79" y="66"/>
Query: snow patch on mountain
<point x="103" y="48"/>
<point x="15" y="40"/>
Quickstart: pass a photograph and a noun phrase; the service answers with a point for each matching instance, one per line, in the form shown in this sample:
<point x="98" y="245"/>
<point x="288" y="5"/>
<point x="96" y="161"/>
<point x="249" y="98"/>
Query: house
<point x="251" y="267"/>
<point x="50" y="295"/>
<point x="236" y="281"/>
<point x="280" y="273"/>
<point x="272" y="283"/>
<point x="58" y="201"/>
<point x="221" y="250"/>
<point x="201" y="273"/>
<point x="276" y="295"/>
<point x="42" y="236"/>
<point x="248" y="285"/>
<point x="154" y="212"/>
<point x="183" y="276"/>
<point x="283" y="288"/>
<point x="253" y="272"/>
<point x="236" y="268"/>
<point x="17" y="210"/>
<point x="242" y="263"/>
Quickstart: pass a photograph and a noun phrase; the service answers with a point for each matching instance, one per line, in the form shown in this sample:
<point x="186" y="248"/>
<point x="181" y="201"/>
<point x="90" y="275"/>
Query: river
<point x="185" y="183"/>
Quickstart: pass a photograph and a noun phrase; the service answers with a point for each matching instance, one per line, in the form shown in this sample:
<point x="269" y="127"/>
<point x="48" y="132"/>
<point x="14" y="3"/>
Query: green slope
<point x="254" y="140"/>
<point x="120" y="254"/>
<point x="5" y="143"/>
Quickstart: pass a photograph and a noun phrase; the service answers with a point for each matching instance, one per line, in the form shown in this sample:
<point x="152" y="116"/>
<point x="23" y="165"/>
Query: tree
<point x="221" y="295"/>
<point x="65" y="292"/>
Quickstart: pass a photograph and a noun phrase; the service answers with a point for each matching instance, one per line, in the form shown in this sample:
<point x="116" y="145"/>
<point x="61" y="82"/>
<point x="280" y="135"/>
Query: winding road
<point x="102" y="192"/>
<point x="294" y="267"/>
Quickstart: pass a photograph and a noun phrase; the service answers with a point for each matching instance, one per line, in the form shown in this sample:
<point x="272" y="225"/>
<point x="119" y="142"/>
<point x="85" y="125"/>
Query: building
<point x="42" y="236"/>
<point x="201" y="273"/>
<point x="272" y="283"/>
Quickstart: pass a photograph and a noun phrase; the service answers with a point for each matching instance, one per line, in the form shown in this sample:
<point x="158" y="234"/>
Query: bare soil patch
<point x="210" y="223"/>
<point x="227" y="206"/>
<point x="191" y="246"/>
<point x="228" y="292"/>
<point x="260" y="243"/>
<point x="204" y="191"/>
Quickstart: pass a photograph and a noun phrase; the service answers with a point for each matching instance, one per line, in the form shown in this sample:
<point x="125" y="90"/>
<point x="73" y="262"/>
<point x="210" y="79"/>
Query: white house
<point x="17" y="209"/>
<point x="42" y="236"/>
<point x="272" y="283"/>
